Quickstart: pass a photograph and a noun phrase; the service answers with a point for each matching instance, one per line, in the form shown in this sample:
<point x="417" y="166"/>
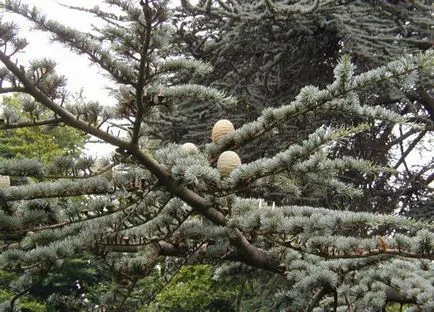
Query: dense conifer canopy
<point x="312" y="211"/>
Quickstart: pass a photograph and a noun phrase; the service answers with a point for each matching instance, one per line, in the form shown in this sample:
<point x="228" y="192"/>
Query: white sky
<point x="78" y="70"/>
<point x="81" y="75"/>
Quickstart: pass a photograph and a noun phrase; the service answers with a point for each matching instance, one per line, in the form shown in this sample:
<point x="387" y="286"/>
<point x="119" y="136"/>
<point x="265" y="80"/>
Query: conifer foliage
<point x="292" y="44"/>
<point x="156" y="206"/>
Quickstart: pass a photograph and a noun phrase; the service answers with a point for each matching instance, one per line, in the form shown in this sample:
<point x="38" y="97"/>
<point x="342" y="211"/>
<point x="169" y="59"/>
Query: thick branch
<point x="11" y="89"/>
<point x="168" y="249"/>
<point x="26" y="124"/>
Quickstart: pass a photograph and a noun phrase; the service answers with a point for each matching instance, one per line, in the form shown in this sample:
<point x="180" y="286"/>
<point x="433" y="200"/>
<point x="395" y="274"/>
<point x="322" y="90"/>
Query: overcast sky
<point x="78" y="70"/>
<point x="80" y="73"/>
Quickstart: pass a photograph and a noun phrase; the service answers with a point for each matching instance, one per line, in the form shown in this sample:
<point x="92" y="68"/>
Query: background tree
<point x="41" y="143"/>
<point x="44" y="143"/>
<point x="297" y="43"/>
<point x="291" y="44"/>
<point x="160" y="210"/>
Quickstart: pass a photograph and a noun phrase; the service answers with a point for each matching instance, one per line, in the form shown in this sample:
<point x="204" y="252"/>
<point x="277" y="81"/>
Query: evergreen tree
<point x="148" y="212"/>
<point x="291" y="44"/>
<point x="36" y="142"/>
<point x="45" y="144"/>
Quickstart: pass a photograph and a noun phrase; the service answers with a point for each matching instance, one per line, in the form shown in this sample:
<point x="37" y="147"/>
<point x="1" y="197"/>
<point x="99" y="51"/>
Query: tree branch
<point x="26" y="124"/>
<point x="77" y="41"/>
<point x="65" y="115"/>
<point x="427" y="101"/>
<point x="143" y="73"/>
<point x="69" y="188"/>
<point x="316" y="299"/>
<point x="393" y="295"/>
<point x="11" y="89"/>
<point x="409" y="149"/>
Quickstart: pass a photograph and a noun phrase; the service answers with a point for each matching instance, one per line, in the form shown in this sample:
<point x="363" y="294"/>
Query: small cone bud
<point x="189" y="148"/>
